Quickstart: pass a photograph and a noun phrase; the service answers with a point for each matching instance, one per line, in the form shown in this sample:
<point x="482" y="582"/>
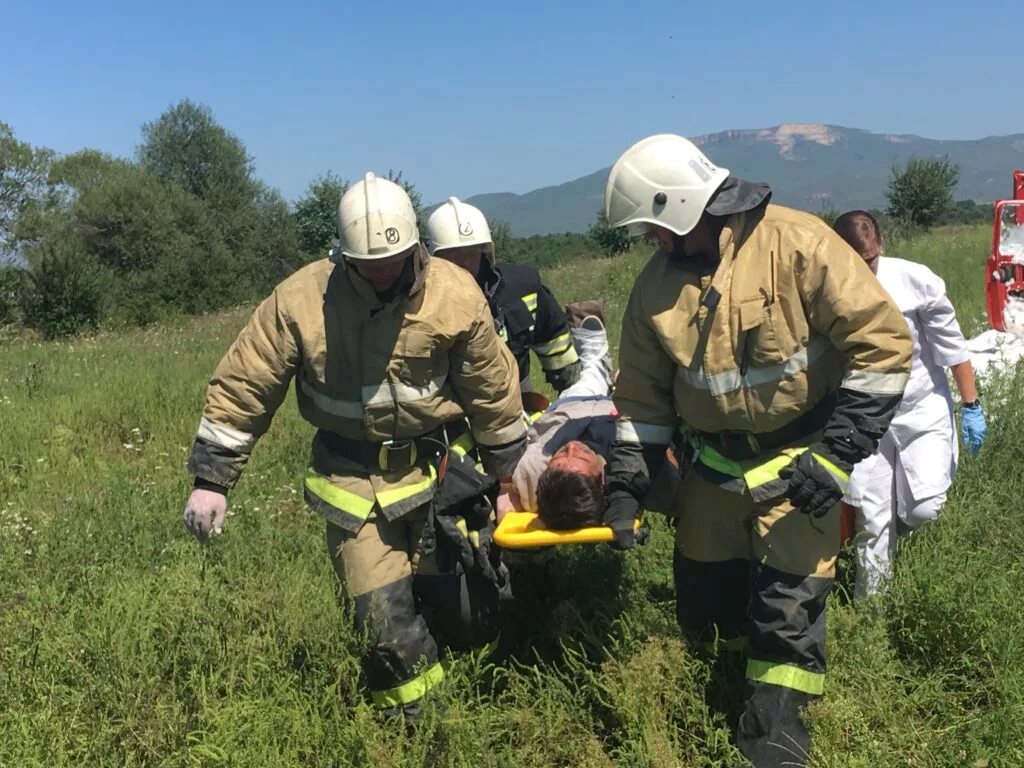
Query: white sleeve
<point x="939" y="327"/>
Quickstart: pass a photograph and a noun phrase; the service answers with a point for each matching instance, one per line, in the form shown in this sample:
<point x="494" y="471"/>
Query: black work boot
<point x="771" y="733"/>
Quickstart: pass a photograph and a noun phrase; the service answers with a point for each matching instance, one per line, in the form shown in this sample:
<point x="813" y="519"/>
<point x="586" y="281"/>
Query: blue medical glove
<point x="972" y="426"/>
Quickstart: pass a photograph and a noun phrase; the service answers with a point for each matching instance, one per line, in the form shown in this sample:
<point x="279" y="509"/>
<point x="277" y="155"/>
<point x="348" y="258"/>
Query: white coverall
<point x="904" y="484"/>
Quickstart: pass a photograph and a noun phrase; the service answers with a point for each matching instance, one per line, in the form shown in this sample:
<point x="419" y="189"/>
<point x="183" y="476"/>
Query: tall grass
<point x="123" y="642"/>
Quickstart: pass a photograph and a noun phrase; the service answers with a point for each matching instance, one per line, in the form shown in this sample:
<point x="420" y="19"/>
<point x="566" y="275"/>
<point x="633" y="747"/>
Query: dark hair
<point x="856" y="227"/>
<point x="568" y="500"/>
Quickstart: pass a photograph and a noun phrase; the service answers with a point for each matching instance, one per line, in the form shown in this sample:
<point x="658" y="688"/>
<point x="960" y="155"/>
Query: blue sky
<point x="477" y="97"/>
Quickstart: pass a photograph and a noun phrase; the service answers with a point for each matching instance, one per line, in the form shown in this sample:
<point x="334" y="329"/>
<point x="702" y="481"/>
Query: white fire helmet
<point x="376" y="220"/>
<point x="455" y="225"/>
<point x="662" y="180"/>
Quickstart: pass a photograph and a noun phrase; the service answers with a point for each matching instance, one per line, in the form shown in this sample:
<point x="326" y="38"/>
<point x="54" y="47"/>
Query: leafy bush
<point x="65" y="294"/>
<point x="921" y="191"/>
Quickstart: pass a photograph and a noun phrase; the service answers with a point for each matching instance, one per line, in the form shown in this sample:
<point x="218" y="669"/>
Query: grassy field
<point x="123" y="642"/>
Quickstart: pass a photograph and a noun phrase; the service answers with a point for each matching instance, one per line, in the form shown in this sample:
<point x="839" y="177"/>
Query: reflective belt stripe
<point x="876" y="383"/>
<point x="786" y="676"/>
<point x="555" y="346"/>
<point x="729" y="381"/>
<point x="346" y="501"/>
<point x="842" y="478"/>
<point x="769" y="471"/>
<point x="554" y="362"/>
<point x="530" y="300"/>
<point x="372" y="395"/>
<point x="410" y="691"/>
<point x="347" y="409"/>
<point x="226" y="437"/>
<point x="641" y="432"/>
<point x="713" y="459"/>
<point x="403" y="393"/>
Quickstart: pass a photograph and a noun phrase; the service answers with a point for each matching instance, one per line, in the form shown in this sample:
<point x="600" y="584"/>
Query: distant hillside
<point x="809" y="166"/>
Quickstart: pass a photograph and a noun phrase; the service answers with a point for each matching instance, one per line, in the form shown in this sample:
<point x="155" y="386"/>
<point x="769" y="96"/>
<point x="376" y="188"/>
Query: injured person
<point x="561" y="475"/>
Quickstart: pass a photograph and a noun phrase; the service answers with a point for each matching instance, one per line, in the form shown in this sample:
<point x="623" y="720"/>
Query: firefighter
<point x="759" y="343"/>
<point x="904" y="484"/>
<point x="392" y="353"/>
<point x="526" y="314"/>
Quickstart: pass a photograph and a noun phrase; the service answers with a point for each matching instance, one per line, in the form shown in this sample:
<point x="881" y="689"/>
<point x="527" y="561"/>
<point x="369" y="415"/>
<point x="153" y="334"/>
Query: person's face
<point x="870" y="252"/>
<point x="661" y="237"/>
<point x="468" y="257"/>
<point x="577" y="457"/>
<point x="381" y="275"/>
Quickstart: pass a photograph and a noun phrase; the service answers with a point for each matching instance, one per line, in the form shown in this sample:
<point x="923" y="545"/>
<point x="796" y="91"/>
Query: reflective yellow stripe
<point x="842" y="478"/>
<point x="713" y="459"/>
<point x="769" y="470"/>
<point x="410" y="691"/>
<point x="530" y="300"/>
<point x="786" y="676"/>
<point x="463" y="444"/>
<point x="555" y="362"/>
<point x="346" y="501"/>
<point x="394" y="495"/>
<point x="554" y="346"/>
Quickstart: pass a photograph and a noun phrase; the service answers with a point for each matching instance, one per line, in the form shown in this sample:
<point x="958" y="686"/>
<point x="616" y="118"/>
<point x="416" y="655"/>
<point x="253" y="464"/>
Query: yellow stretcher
<point x="524" y="530"/>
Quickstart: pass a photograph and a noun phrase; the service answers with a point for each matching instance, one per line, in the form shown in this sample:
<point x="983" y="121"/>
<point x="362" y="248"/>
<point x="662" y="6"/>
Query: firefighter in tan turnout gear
<point x="760" y="345"/>
<point x="398" y="366"/>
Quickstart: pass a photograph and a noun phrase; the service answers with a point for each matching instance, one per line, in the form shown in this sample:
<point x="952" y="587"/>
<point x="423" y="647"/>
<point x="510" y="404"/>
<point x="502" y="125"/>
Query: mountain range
<point x="809" y="166"/>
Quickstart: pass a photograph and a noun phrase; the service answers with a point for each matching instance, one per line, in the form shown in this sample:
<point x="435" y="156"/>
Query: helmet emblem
<point x="465" y="229"/>
<point x="391" y="235"/>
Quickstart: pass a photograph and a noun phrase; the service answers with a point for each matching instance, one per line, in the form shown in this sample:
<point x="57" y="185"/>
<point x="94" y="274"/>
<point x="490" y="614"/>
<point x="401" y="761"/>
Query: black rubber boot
<point x="771" y="733"/>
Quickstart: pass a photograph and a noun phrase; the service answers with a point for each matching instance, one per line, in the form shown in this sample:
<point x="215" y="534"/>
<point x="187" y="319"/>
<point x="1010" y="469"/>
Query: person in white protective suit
<point x="904" y="484"/>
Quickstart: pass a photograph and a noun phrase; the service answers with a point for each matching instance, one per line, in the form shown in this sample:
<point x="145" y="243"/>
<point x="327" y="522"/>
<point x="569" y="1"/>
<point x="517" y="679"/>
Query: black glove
<point x="565" y="377"/>
<point x="817" y="480"/>
<point x="620" y="515"/>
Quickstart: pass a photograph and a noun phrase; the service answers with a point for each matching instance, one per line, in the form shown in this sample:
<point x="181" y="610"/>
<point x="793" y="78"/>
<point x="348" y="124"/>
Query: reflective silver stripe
<point x="876" y="383"/>
<point x="640" y="432"/>
<point x="347" y="409"/>
<point x="555" y="346"/>
<point x="403" y="393"/>
<point x="242" y="442"/>
<point x="554" y="362"/>
<point x="501" y="436"/>
<point x="732" y="380"/>
<point x="372" y="395"/>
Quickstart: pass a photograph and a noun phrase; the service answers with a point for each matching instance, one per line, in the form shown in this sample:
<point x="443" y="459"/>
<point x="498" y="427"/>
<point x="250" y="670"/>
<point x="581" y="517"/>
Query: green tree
<point x="501" y="236"/>
<point x="610" y="240"/>
<point x="921" y="191"/>
<point x="316" y="214"/>
<point x="186" y="146"/>
<point x="414" y="195"/>
<point x="23" y="182"/>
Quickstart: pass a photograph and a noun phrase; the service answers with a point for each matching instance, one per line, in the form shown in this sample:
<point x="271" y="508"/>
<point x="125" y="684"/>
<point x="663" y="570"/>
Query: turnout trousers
<point x="408" y="607"/>
<point x="756" y="576"/>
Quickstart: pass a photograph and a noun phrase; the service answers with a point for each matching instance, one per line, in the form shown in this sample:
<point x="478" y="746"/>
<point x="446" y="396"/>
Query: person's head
<point x="377" y="230"/>
<point x="660" y="188"/>
<point x="570" y="492"/>
<point x="459" y="233"/>
<point x="861" y="232"/>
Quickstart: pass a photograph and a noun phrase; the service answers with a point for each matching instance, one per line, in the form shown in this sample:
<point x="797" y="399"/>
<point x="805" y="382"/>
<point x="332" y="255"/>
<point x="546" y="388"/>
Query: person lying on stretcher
<point x="561" y="475"/>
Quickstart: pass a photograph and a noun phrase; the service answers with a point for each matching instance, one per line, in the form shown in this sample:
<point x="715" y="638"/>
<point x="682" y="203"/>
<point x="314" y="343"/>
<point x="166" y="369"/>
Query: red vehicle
<point x="1004" y="269"/>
